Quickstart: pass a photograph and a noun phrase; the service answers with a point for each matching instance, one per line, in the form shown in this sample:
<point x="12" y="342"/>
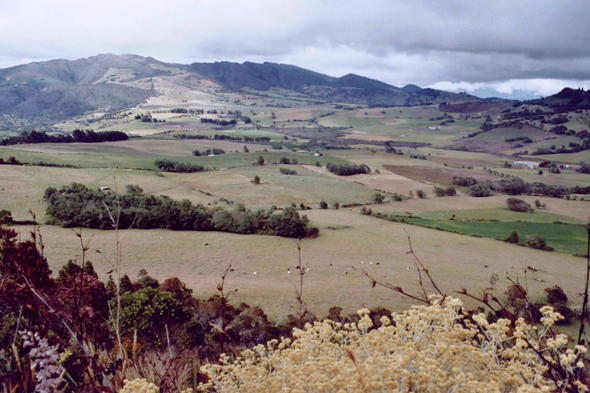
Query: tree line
<point x="512" y="185"/>
<point x="79" y="206"/>
<point x="348" y="169"/>
<point x="83" y="136"/>
<point x="224" y="137"/>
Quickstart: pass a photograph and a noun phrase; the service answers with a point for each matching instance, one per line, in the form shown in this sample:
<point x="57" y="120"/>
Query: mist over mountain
<point x="56" y="90"/>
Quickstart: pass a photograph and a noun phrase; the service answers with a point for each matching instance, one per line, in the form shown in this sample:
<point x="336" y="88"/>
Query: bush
<point x="420" y="194"/>
<point x="518" y="205"/>
<point x="6" y="217"/>
<point x="538" y="242"/>
<point x="378" y="198"/>
<point x="260" y="160"/>
<point x="329" y="357"/>
<point x="289" y="224"/>
<point x="336" y="205"/>
<point x="540" y="205"/>
<point x="149" y="310"/>
<point x="256" y="179"/>
<point x="584" y="168"/>
<point x="347" y="170"/>
<point x="513" y="238"/>
<point x="566" y="312"/>
<point x="179" y="167"/>
<point x="284" y="160"/>
<point x="479" y="190"/>
<point x="450" y="191"/>
<point x="196" y="153"/>
<point x="214" y="151"/>
<point x="439" y="192"/>
<point x="286" y="171"/>
<point x="464" y="181"/>
<point x="555" y="295"/>
<point x="323" y="205"/>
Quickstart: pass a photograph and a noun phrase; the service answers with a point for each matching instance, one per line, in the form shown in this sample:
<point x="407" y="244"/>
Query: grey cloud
<point x="402" y="41"/>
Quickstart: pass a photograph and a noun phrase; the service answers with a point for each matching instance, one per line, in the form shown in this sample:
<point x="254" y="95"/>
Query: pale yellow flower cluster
<point x="139" y="386"/>
<point x="143" y="386"/>
<point x="425" y="349"/>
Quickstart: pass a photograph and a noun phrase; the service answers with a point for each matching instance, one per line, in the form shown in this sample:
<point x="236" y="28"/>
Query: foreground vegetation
<point x="78" y="333"/>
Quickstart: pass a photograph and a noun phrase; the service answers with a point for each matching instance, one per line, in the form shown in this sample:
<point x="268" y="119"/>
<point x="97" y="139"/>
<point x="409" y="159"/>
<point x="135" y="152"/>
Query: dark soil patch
<point x="494" y="108"/>
<point x="434" y="175"/>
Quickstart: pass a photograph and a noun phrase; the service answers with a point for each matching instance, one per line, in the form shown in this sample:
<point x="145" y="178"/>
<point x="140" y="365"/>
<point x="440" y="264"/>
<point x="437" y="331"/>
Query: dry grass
<point x="449" y="256"/>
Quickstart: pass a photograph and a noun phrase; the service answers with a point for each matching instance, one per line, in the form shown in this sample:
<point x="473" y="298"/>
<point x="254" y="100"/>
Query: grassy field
<point x="141" y="154"/>
<point x="565" y="238"/>
<point x="332" y="258"/>
<point x="346" y="237"/>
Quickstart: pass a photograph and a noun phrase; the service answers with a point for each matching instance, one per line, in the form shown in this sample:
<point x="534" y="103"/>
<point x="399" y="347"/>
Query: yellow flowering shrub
<point x="430" y="348"/>
<point x="143" y="386"/>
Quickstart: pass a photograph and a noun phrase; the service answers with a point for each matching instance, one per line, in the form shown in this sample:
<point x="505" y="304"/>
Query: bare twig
<point x="585" y="302"/>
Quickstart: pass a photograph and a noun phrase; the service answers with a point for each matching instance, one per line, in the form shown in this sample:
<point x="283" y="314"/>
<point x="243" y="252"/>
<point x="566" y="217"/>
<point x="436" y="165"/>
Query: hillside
<point x="350" y="88"/>
<point x="57" y="90"/>
<point x="566" y="100"/>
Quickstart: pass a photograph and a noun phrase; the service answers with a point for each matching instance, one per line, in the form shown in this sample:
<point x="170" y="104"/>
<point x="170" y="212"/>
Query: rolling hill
<point x="56" y="90"/>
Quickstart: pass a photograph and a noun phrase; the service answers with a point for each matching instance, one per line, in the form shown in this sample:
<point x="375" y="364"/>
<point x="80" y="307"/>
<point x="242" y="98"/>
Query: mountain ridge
<point x="59" y="89"/>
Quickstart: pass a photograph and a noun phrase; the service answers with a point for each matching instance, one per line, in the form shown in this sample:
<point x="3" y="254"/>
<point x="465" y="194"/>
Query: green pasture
<point x="565" y="238"/>
<point x="500" y="214"/>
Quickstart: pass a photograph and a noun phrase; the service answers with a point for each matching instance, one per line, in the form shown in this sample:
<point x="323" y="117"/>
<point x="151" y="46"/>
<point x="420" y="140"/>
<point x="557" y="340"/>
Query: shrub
<point x="323" y="205"/>
<point x="438" y="191"/>
<point x="289" y="224"/>
<point x="479" y="190"/>
<point x="538" y="242"/>
<point x="513" y="238"/>
<point x="260" y="160"/>
<point x="518" y="205"/>
<point x="149" y="310"/>
<point x="464" y="181"/>
<point x="196" y="153"/>
<point x="284" y="160"/>
<point x="515" y="292"/>
<point x="540" y="205"/>
<point x="450" y="191"/>
<point x="286" y="171"/>
<point x="566" y="312"/>
<point x="331" y="357"/>
<point x="214" y="151"/>
<point x="378" y="198"/>
<point x="336" y="205"/>
<point x="420" y="194"/>
<point x="179" y="167"/>
<point x="555" y="295"/>
<point x="6" y="217"/>
<point x="584" y="168"/>
<point x="256" y="179"/>
<point x="347" y="170"/>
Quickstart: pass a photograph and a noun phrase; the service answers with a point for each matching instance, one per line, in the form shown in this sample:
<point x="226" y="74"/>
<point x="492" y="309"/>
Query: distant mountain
<point x="59" y="89"/>
<point x="53" y="91"/>
<point x="411" y="88"/>
<point x="350" y="88"/>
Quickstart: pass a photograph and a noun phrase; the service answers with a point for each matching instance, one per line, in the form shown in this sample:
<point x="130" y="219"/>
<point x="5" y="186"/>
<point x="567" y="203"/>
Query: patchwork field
<point x="346" y="236"/>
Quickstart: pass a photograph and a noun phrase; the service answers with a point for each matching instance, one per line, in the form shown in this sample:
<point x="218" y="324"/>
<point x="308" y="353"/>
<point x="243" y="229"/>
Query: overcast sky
<point x="492" y="48"/>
